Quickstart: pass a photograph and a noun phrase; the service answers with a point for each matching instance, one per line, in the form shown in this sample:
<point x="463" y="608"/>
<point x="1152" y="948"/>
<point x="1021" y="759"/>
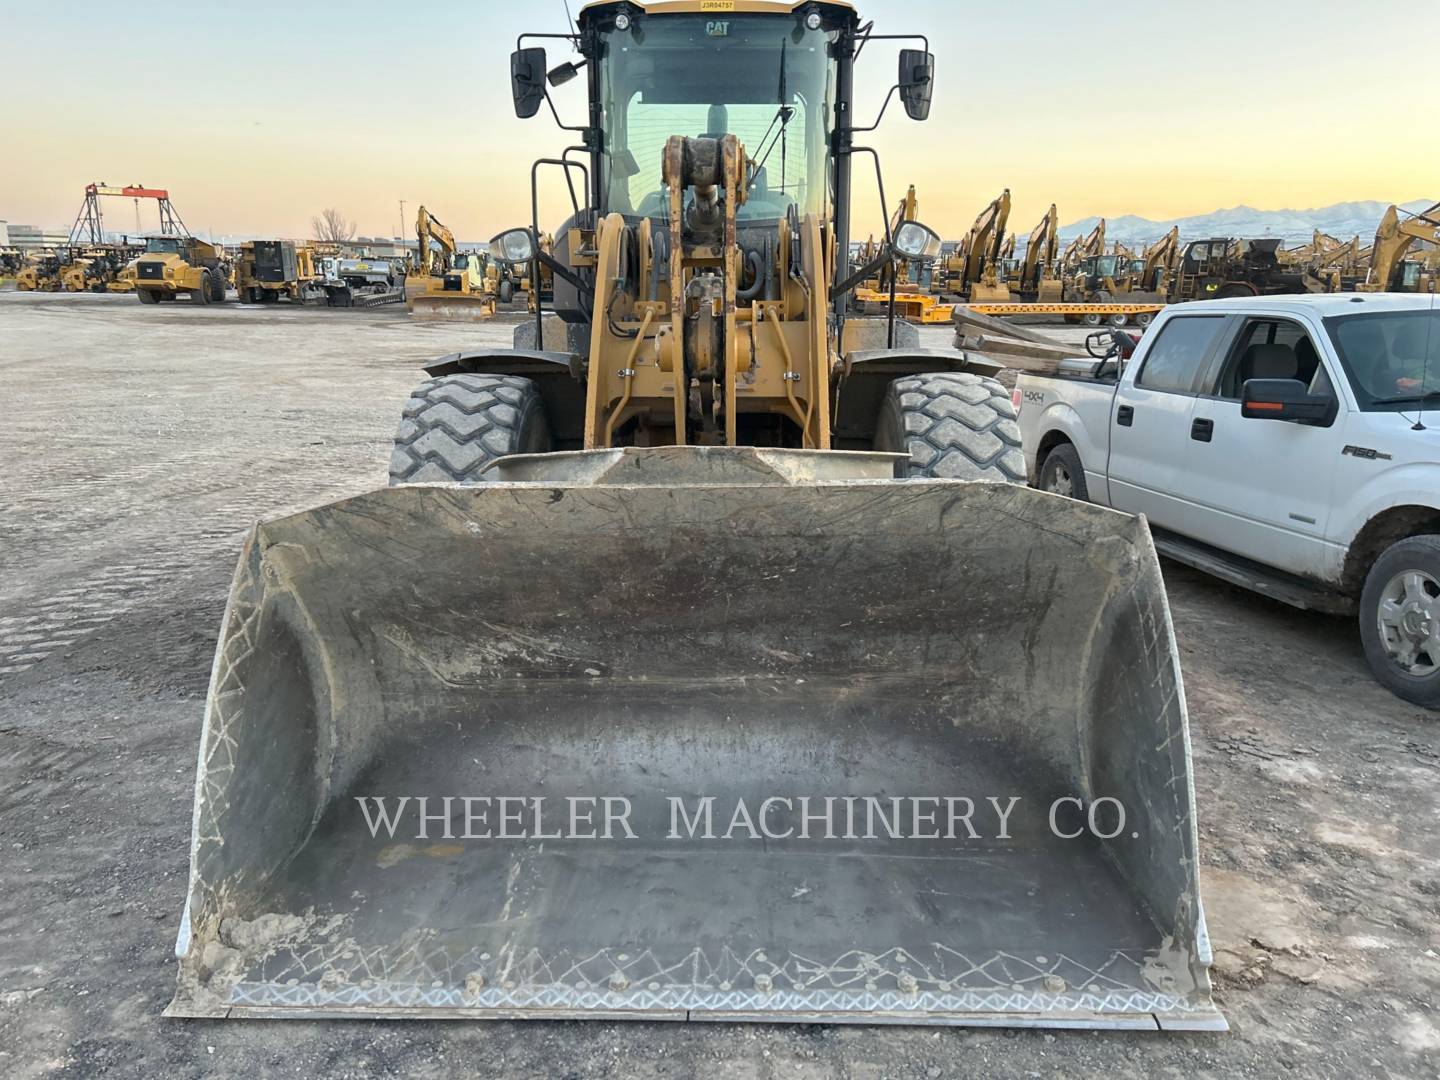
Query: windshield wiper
<point x="1407" y="399"/>
<point x="782" y="114"/>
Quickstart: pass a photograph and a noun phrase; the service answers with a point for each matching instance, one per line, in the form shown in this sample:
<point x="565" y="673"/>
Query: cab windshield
<point x="765" y="79"/>
<point x="1392" y="358"/>
<point x="163" y="245"/>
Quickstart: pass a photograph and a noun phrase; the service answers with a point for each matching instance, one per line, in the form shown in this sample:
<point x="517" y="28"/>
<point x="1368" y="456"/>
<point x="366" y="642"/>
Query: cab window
<point x="1179" y="355"/>
<point x="1271" y="349"/>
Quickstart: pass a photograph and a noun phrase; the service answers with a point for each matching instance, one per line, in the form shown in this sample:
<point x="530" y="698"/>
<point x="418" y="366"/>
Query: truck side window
<point x="1175" y="361"/>
<point x="1269" y="349"/>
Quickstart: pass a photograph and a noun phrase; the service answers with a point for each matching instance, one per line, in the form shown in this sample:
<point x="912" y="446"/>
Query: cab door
<point x="1262" y="488"/>
<point x="1150" y="419"/>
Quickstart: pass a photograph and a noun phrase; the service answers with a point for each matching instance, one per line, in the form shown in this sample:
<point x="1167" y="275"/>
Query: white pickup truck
<point x="1289" y="444"/>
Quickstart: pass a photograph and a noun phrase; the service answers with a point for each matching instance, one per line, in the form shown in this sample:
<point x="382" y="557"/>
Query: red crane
<point x="89" y="224"/>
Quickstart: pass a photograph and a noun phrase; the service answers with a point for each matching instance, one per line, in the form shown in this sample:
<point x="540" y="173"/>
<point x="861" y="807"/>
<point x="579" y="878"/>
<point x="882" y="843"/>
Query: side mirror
<point x="917" y="82"/>
<point x="565" y="72"/>
<point x="513" y="246"/>
<point x="1286" y="399"/>
<point x="527" y="81"/>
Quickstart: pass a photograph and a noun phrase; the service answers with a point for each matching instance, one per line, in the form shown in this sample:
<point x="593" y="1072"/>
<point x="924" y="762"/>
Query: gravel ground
<point x="138" y="443"/>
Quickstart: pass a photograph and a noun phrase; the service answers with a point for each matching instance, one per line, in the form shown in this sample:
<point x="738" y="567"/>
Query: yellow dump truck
<point x="175" y="265"/>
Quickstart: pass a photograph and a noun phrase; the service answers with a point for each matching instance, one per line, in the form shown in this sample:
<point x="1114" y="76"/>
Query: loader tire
<point x="952" y="424"/>
<point x="148" y="296"/>
<point x="455" y="425"/>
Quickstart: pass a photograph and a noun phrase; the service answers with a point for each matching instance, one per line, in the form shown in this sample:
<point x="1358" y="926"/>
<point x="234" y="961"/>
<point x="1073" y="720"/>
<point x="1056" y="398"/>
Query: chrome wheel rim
<point x="1061" y="483"/>
<point x="1409" y="622"/>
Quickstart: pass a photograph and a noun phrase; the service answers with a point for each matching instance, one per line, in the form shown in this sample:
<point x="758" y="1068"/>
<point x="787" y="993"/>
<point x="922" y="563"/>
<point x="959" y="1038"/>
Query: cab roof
<point x="716" y="7"/>
<point x="1325" y="305"/>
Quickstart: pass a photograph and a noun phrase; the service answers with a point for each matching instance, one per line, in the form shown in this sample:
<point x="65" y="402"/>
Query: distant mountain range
<point x="1343" y="220"/>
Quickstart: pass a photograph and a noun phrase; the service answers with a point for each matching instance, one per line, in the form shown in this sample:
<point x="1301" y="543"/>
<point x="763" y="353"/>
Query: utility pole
<point x="401" y="234"/>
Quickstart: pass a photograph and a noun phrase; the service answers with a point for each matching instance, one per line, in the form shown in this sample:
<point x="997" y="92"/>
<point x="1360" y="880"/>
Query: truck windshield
<point x="1392" y="358"/>
<point x="163" y="245"/>
<point x="765" y="79"/>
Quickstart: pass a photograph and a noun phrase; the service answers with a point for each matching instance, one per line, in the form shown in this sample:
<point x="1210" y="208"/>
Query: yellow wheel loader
<point x="172" y="265"/>
<point x="706" y="658"/>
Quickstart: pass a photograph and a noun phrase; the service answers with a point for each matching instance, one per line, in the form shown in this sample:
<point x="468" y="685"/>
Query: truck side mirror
<point x="917" y="82"/>
<point x="1286" y="399"/>
<point x="527" y="81"/>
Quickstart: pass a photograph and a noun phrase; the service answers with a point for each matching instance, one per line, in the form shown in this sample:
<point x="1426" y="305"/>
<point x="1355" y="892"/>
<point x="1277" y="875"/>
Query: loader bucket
<point x="702" y="734"/>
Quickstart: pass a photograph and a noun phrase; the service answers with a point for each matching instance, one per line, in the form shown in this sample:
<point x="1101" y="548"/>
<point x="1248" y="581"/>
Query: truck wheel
<point x="507" y="291"/>
<point x="148" y="296"/>
<point x="1062" y="474"/>
<point x="1118" y="321"/>
<point x="1092" y="318"/>
<point x="1400" y="620"/>
<point x="203" y="293"/>
<point x="455" y="425"/>
<point x="1144" y="319"/>
<point x="952" y="424"/>
<point x="218" y="287"/>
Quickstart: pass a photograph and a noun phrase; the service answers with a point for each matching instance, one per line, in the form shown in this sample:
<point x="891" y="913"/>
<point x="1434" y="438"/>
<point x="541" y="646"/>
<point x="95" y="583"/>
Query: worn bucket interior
<point x="763" y="643"/>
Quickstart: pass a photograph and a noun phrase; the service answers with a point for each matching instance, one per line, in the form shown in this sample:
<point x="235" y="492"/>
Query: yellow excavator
<point x="1390" y="270"/>
<point x="707" y="658"/>
<point x="972" y="272"/>
<point x="446" y="283"/>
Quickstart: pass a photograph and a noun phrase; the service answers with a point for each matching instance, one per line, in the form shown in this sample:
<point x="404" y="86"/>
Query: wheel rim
<point x="1409" y="622"/>
<point x="1060" y="481"/>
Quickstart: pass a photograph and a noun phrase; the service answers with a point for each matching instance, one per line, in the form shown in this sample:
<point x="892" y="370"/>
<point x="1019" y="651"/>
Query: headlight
<point x="812" y="21"/>
<point x="513" y="246"/>
<point x="622" y="22"/>
<point x="915" y="241"/>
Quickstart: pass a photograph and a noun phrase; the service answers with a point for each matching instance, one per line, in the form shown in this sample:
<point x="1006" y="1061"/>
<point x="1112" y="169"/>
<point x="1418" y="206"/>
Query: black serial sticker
<point x="1366" y="453"/>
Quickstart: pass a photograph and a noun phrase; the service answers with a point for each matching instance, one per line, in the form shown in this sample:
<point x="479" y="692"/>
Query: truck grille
<point x="151" y="271"/>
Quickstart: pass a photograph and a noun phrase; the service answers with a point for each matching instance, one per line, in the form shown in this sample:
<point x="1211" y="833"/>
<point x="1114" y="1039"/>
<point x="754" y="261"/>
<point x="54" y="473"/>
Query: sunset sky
<point x="258" y="115"/>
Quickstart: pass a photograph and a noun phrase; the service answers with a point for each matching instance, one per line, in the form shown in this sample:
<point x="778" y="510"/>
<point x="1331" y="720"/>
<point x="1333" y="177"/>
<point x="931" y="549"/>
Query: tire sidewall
<point x="1413" y="553"/>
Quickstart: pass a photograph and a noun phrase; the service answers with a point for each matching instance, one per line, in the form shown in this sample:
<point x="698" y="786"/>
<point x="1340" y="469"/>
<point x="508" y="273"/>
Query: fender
<point x="1060" y="416"/>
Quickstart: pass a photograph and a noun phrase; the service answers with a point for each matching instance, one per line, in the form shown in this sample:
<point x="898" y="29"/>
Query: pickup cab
<point x="1287" y="444"/>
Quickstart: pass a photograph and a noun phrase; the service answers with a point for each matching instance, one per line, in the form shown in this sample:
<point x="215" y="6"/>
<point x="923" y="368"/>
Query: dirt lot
<point x="137" y="445"/>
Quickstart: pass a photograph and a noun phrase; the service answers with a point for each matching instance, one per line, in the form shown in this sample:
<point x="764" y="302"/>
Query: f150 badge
<point x="1366" y="453"/>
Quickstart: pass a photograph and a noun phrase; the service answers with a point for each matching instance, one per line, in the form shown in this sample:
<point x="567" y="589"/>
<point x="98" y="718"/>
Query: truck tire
<point x="506" y="290"/>
<point x="218" y="287"/>
<point x="1061" y="473"/>
<point x="455" y="425"/>
<point x="205" y="291"/>
<point x="148" y="296"/>
<point x="1400" y="620"/>
<point x="952" y="424"/>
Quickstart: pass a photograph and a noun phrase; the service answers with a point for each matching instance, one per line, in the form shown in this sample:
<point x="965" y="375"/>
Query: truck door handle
<point x="1125" y="415"/>
<point x="1201" y="430"/>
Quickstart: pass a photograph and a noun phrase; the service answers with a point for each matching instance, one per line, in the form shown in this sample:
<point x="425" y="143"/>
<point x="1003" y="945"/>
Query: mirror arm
<point x="560" y="269"/>
<point x="887" y="255"/>
<point x="560" y="123"/>
<point x="883" y="106"/>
